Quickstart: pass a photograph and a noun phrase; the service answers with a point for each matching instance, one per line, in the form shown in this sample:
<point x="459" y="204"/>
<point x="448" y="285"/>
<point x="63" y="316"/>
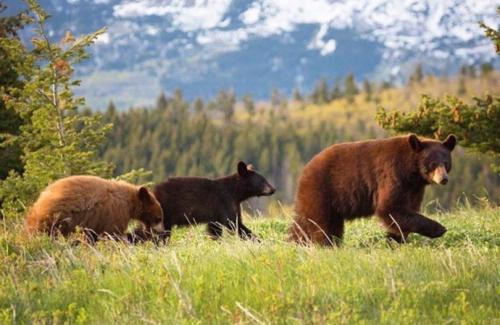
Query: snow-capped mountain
<point x="254" y="46"/>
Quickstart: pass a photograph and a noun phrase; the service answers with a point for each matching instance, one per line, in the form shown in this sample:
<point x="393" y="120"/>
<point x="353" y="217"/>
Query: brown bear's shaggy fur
<point x="197" y="200"/>
<point x="385" y="177"/>
<point x="96" y="205"/>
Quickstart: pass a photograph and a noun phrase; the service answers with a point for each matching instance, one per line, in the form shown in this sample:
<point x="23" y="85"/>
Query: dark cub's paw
<point x="434" y="230"/>
<point x="142" y="235"/>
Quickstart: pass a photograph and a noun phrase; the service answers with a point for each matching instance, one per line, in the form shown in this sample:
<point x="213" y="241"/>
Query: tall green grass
<point x="194" y="280"/>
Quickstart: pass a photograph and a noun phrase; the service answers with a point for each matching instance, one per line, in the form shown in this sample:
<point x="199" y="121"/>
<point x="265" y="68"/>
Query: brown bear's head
<point x="252" y="183"/>
<point x="151" y="213"/>
<point x="434" y="161"/>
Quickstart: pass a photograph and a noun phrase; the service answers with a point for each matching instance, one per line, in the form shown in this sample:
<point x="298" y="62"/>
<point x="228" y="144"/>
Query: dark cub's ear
<point x="415" y="143"/>
<point x="242" y="169"/>
<point x="450" y="142"/>
<point x="144" y="195"/>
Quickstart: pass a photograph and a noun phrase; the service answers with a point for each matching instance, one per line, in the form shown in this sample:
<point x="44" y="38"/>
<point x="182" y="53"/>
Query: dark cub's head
<point x="252" y="183"/>
<point x="434" y="162"/>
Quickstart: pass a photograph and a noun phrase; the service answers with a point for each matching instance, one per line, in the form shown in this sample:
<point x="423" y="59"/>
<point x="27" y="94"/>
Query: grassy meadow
<point x="194" y="280"/>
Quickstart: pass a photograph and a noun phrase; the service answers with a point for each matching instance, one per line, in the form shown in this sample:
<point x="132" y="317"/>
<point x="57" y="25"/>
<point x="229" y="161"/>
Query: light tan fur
<point x="438" y="174"/>
<point x="89" y="202"/>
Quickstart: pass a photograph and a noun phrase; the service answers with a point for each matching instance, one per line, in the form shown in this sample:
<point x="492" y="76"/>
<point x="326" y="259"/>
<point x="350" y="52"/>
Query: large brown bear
<point x="385" y="177"/>
<point x="96" y="205"/>
<point x="216" y="202"/>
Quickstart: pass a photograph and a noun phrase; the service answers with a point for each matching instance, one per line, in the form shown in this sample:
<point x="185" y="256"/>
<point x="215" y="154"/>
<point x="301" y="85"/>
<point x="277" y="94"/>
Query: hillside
<point x="403" y="98"/>
<point x="181" y="138"/>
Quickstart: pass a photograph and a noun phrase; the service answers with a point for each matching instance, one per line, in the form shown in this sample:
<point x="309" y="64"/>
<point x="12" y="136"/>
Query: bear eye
<point x="432" y="165"/>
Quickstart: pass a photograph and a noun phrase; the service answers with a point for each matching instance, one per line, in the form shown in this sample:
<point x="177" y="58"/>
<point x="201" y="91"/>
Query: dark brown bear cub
<point x="385" y="177"/>
<point x="197" y="200"/>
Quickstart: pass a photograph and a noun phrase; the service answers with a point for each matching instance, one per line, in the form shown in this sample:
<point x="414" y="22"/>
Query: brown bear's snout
<point x="439" y="175"/>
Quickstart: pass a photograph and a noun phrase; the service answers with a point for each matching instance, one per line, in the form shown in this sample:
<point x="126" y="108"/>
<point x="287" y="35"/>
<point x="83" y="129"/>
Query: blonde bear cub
<point x="96" y="205"/>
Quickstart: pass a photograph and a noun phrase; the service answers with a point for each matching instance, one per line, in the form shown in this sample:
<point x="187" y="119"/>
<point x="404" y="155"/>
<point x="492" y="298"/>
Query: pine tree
<point x="161" y="102"/>
<point x="486" y="69"/>
<point x="198" y="105"/>
<point x="57" y="140"/>
<point x="336" y="92"/>
<point x="110" y="111"/>
<point x="296" y="95"/>
<point x="417" y="75"/>
<point x="350" y="88"/>
<point x="471" y="71"/>
<point x="319" y="95"/>
<point x="462" y="90"/>
<point x="249" y="104"/>
<point x="276" y="98"/>
<point x="463" y="70"/>
<point x="367" y="89"/>
<point x="225" y="102"/>
<point x="386" y="84"/>
<point x="10" y="121"/>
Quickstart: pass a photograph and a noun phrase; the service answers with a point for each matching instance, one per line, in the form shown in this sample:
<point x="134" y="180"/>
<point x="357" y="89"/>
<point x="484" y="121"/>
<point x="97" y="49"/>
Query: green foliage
<point x="476" y="125"/>
<point x="194" y="280"/>
<point x="10" y="25"/>
<point x="56" y="139"/>
<point x="139" y="175"/>
<point x="493" y="34"/>
<point x="10" y="152"/>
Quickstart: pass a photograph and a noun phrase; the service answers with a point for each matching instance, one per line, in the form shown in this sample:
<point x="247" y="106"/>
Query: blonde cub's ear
<point x="144" y="195"/>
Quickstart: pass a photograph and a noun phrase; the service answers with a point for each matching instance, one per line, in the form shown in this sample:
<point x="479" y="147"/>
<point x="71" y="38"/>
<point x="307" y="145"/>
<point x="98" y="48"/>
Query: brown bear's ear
<point x="415" y="143"/>
<point x="144" y="195"/>
<point x="450" y="142"/>
<point x="250" y="167"/>
<point x="242" y="169"/>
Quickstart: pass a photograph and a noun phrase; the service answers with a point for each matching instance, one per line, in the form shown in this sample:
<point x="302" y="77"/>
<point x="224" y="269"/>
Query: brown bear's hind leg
<point x="336" y="230"/>
<point x="326" y="233"/>
<point x="316" y="221"/>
